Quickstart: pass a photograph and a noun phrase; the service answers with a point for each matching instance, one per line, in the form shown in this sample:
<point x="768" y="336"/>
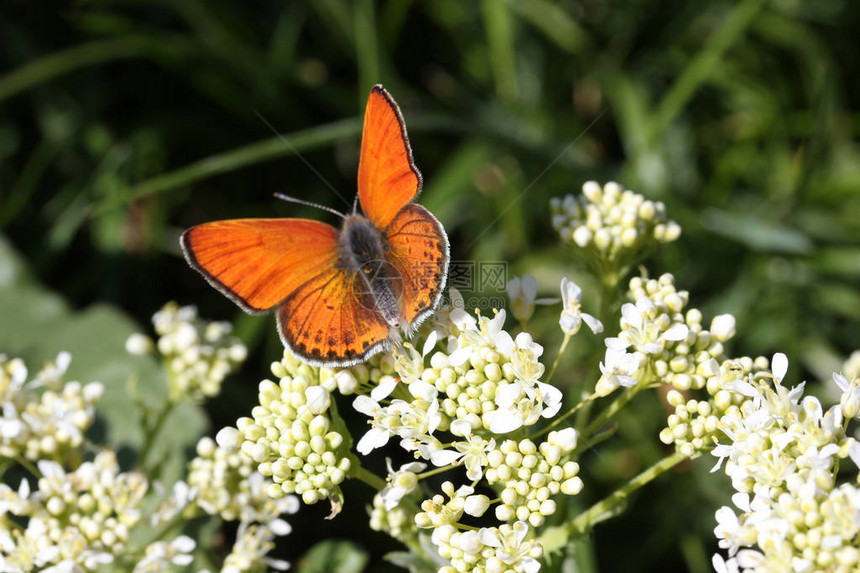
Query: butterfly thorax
<point x="376" y="283"/>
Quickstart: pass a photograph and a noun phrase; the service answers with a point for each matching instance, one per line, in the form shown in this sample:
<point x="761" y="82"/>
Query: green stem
<point x="588" y="400"/>
<point x="610" y="411"/>
<point x="29" y="466"/>
<point x="360" y="473"/>
<point x="557" y="537"/>
<point x="561" y="350"/>
<point x="152" y="431"/>
<point x="601" y="510"/>
<point x="435" y="471"/>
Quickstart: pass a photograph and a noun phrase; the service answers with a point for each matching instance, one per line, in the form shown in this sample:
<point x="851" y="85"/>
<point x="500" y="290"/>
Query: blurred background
<point x="124" y="122"/>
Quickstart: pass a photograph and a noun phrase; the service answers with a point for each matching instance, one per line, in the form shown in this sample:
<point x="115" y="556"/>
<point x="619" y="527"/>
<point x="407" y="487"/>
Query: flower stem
<point x="360" y="473"/>
<point x="152" y="430"/>
<point x="28" y="465"/>
<point x="555" y="538"/>
<point x="603" y="509"/>
<point x="435" y="471"/>
<point x="561" y="350"/>
<point x="560" y="419"/>
<point x="610" y="411"/>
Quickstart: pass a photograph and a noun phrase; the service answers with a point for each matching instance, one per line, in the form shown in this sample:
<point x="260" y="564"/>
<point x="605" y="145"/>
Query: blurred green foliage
<point x="124" y="122"/>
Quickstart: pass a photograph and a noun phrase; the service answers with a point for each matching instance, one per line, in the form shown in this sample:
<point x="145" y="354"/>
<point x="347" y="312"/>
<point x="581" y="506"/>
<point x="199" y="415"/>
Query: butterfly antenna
<point x="355" y="205"/>
<point x="309" y="204"/>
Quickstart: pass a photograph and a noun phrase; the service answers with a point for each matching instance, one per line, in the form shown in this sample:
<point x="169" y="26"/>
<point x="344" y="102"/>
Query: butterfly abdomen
<point x="377" y="284"/>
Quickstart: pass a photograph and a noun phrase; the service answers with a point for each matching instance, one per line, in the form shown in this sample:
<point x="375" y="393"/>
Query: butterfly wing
<point x="418" y="249"/>
<point x="260" y="262"/>
<point x="329" y="322"/>
<point x="387" y="176"/>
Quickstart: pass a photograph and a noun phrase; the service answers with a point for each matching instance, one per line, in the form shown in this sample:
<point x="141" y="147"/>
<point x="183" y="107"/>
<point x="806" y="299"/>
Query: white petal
<point x="430" y="343"/>
<point x="676" y="332"/>
<point x="595" y="325"/>
<point x="461" y="428"/>
<point x="514" y="288"/>
<point x="384" y="389"/>
<point x="460" y="356"/>
<point x="184" y="544"/>
<point x="423" y="390"/>
<point x="374" y="438"/>
<point x="529" y="288"/>
<point x="503" y="421"/>
<point x="569" y="323"/>
<point x="280" y="527"/>
<point x="506" y="394"/>
<point x="505" y="344"/>
<point x="365" y="404"/>
<point x="779" y="366"/>
<point x="616" y="343"/>
<point x="841" y="381"/>
<point x="631" y="315"/>
<point x="488" y="536"/>
<point x="441" y="458"/>
<point x="552" y="398"/>
<point x="530" y="564"/>
<point x="63" y="361"/>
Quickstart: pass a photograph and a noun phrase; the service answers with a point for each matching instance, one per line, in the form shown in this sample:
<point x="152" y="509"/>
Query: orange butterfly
<point x="340" y="296"/>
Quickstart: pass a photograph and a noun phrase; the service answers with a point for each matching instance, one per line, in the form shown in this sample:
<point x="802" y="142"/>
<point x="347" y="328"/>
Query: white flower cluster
<point x="227" y="484"/>
<point x="249" y="553"/>
<point x="782" y="456"/>
<point x="389" y="513"/>
<point x="198" y="353"/>
<point x="532" y="474"/>
<point x="488" y="550"/>
<point x="661" y="342"/>
<point x="486" y="380"/>
<point x="75" y="521"/>
<point x="160" y="555"/>
<point x="695" y="423"/>
<point x="289" y="436"/>
<point x="522" y="292"/>
<point x="43" y="418"/>
<point x="471" y="384"/>
<point x="617" y="225"/>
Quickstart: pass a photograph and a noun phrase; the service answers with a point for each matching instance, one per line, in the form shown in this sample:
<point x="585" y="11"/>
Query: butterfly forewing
<point x="387" y="176"/>
<point x="418" y="249"/>
<point x="260" y="262"/>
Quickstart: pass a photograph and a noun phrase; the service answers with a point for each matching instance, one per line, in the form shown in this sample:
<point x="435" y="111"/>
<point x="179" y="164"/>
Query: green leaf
<point x="333" y="556"/>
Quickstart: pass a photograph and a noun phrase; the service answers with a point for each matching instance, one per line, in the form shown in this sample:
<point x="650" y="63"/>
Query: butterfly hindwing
<point x="418" y="249"/>
<point x="387" y="176"/>
<point x="329" y="322"/>
<point x="260" y="262"/>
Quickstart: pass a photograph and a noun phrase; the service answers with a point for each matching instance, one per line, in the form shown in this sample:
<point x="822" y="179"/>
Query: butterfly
<point x="340" y="296"/>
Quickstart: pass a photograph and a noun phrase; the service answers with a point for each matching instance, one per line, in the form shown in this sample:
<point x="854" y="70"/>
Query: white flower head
<point x="571" y="315"/>
<point x="522" y="291"/>
<point x="619" y="369"/>
<point x="400" y="483"/>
